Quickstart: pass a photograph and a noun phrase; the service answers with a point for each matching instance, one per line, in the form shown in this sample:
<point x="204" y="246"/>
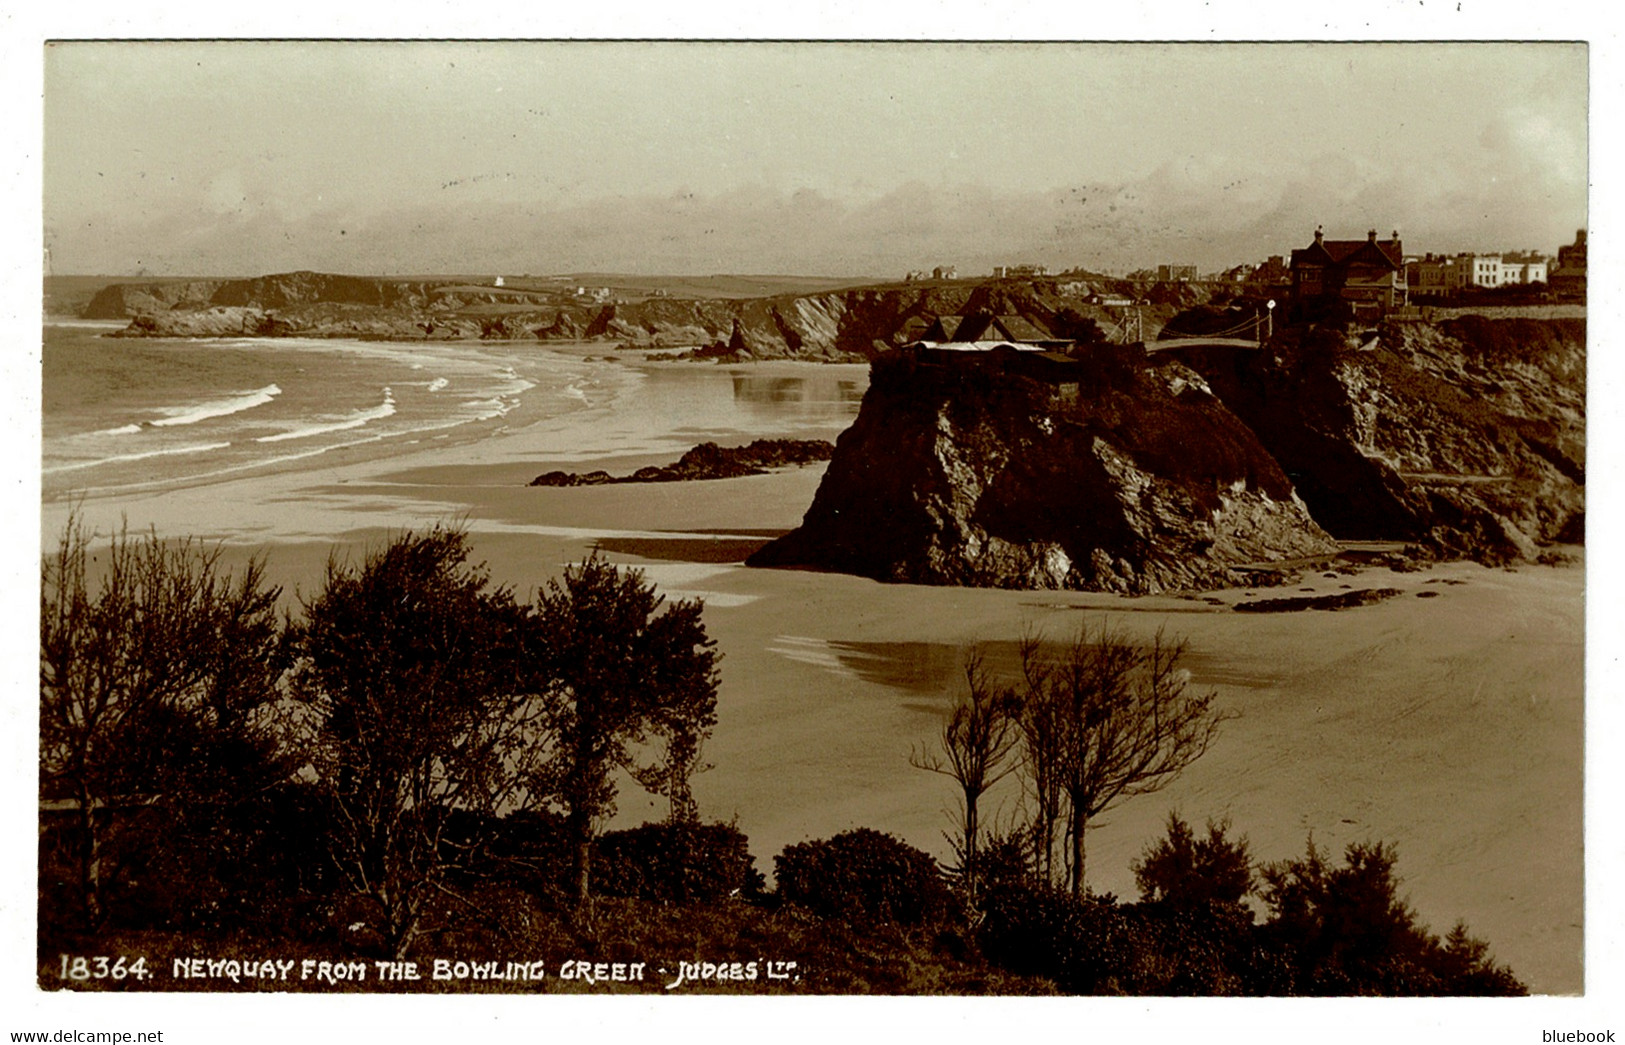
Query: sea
<point x="128" y="415"/>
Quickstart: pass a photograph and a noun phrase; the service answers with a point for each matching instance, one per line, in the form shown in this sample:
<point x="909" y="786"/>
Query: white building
<point x="1478" y="270"/>
<point x="1524" y="268"/>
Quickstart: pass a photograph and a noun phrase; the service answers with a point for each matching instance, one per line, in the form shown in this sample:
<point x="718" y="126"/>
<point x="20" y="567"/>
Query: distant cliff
<point x="1010" y="469"/>
<point x="294" y="290"/>
<point x="834" y="325"/>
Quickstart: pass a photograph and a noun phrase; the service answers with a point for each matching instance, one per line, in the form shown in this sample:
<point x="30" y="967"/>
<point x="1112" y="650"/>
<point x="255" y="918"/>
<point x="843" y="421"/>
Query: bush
<point x="1094" y="945"/>
<point x="1083" y="944"/>
<point x="1184" y="869"/>
<point x="241" y="866"/>
<point x="1200" y="948"/>
<point x="1345" y="930"/>
<point x="863" y="876"/>
<point x="676" y="862"/>
<point x="1002" y="859"/>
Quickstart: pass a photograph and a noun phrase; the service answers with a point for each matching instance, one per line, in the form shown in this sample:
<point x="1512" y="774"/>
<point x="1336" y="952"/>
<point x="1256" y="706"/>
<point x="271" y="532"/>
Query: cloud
<point x="1520" y="189"/>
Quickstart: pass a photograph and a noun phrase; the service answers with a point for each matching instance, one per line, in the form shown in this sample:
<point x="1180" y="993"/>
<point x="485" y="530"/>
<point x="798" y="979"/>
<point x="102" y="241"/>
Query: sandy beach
<point x="1447" y="720"/>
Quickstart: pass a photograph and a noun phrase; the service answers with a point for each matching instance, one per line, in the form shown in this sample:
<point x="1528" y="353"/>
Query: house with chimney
<point x="1368" y="275"/>
<point x="984" y="328"/>
<point x="1568" y="276"/>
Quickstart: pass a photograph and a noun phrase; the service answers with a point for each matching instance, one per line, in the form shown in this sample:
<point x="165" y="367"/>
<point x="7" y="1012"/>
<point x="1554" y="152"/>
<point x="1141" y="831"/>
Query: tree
<point x="1116" y="719"/>
<point x="419" y="669"/>
<point x="1183" y="869"/>
<point x="1346" y="930"/>
<point x="977" y="738"/>
<point x="1041" y="738"/>
<point x="624" y="672"/>
<point x="1073" y="325"/>
<point x="152" y="664"/>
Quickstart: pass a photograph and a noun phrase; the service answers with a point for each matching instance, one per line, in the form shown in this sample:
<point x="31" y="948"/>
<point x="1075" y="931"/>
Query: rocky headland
<point x="1113" y="470"/>
<point x="1465" y="438"/>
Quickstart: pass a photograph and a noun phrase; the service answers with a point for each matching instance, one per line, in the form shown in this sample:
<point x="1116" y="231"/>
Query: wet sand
<point x="1449" y="725"/>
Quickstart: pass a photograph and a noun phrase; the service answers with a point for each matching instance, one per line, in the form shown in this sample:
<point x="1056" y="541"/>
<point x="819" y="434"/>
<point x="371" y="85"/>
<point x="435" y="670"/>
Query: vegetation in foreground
<point x="416" y="769"/>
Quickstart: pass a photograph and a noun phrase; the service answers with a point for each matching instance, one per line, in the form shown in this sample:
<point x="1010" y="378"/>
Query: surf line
<point x="340" y="424"/>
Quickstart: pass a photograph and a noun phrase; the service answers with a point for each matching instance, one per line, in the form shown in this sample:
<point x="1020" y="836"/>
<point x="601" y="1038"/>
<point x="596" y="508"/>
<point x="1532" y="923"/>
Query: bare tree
<point x="1122" y="720"/>
<point x="974" y="746"/>
<point x="1039" y="717"/>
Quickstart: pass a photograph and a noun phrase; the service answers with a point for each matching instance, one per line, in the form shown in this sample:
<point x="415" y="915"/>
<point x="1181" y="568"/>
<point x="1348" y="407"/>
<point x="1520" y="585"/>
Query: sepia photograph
<point x="812" y="518"/>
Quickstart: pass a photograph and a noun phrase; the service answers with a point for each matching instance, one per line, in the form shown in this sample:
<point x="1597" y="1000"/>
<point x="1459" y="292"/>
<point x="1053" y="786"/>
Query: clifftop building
<point x="983" y="327"/>
<point x="1368" y="274"/>
<point x="1568" y="278"/>
<point x="1437" y="275"/>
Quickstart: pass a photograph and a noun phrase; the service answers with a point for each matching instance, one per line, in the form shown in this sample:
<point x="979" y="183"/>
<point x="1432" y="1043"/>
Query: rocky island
<point x="1096" y="471"/>
<point x="707" y="461"/>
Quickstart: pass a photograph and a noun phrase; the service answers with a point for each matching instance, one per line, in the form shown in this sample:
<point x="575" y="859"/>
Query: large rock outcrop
<point x="1014" y="469"/>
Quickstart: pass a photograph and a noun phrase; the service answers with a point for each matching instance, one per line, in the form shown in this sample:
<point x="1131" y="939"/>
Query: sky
<point x="245" y="157"/>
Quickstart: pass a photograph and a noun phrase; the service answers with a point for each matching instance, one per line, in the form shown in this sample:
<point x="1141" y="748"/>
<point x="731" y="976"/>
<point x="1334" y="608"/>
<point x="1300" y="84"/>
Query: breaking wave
<point x="218" y="408"/>
<point x="121" y="458"/>
<point x="191" y="414"/>
<point x="337" y="424"/>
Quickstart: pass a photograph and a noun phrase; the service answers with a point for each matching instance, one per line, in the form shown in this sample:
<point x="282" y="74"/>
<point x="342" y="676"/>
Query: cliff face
<point x="857" y="323"/>
<point x="1467" y="436"/>
<point x="124" y="300"/>
<point x="288" y="290"/>
<point x="317" y="320"/>
<point x="1012" y="470"/>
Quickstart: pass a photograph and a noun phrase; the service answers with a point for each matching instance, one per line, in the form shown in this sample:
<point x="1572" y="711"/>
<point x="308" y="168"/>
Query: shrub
<point x="1084" y="944"/>
<point x="1183" y="869"/>
<point x="1200" y="948"/>
<point x="1093" y="945"/>
<point x="1345" y="930"/>
<point x="1003" y="859"/>
<point x="528" y="848"/>
<point x="863" y="875"/>
<point x="676" y="862"/>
